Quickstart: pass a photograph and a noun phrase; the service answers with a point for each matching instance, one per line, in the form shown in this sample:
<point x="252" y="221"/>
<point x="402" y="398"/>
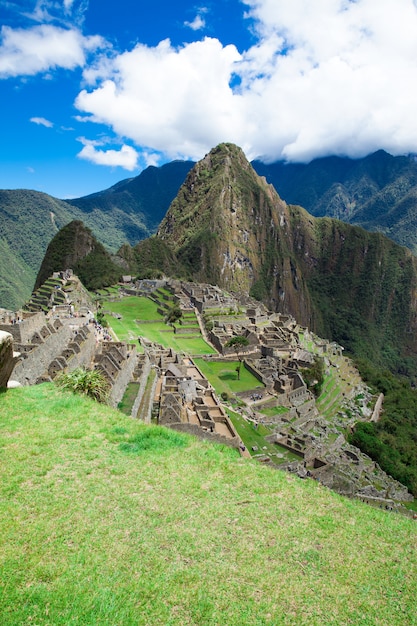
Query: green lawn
<point x="271" y="411"/>
<point x="250" y="435"/>
<point x="133" y="308"/>
<point x="223" y="376"/>
<point x="253" y="436"/>
<point x="105" y="522"/>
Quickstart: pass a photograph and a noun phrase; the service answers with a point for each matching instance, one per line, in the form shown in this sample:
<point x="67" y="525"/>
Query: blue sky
<point x="93" y="91"/>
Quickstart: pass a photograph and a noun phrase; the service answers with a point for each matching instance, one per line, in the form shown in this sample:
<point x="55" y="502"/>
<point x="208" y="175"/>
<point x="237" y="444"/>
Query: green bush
<point x="91" y="383"/>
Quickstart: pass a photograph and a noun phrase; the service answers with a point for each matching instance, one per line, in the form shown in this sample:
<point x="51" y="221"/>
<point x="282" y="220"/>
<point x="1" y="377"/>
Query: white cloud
<point x="330" y="76"/>
<point x="198" y="23"/>
<point x="25" y="52"/>
<point x="126" y="157"/>
<point x="340" y="79"/>
<point x="174" y="101"/>
<point x="61" y="11"/>
<point x="41" y="121"/>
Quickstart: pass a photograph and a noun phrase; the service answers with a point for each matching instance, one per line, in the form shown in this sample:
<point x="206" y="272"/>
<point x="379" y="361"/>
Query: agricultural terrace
<point x="253" y="436"/>
<point x="339" y="381"/>
<point x="223" y="376"/>
<point x="134" y="316"/>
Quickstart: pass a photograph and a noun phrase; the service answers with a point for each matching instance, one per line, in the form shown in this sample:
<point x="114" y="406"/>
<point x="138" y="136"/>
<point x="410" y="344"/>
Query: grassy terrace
<point x="139" y="317"/>
<point x="223" y="376"/>
<point x="341" y="378"/>
<point x="106" y="521"/>
<point x="255" y="437"/>
<point x="128" y="400"/>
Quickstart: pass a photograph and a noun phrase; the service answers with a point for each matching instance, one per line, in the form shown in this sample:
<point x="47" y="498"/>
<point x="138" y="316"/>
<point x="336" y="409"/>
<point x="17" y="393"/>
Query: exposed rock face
<point x="8" y="358"/>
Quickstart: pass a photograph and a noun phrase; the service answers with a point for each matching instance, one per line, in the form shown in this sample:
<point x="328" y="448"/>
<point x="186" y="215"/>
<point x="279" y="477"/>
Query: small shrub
<point x="91" y="383"/>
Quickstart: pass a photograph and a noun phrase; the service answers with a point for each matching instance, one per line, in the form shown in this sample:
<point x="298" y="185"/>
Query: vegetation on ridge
<point x="75" y="247"/>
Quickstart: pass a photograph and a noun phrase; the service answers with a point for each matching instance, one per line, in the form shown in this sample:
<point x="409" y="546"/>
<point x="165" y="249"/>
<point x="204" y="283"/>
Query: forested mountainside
<point x="28" y="221"/>
<point x="378" y="192"/>
<point x="127" y="212"/>
<point x="133" y="207"/>
<point x="75" y="247"/>
<point x="228" y="227"/>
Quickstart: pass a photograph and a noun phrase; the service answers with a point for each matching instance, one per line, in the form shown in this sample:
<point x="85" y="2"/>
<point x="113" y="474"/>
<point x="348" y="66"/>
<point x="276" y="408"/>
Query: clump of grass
<point x="157" y="439"/>
<point x="85" y="382"/>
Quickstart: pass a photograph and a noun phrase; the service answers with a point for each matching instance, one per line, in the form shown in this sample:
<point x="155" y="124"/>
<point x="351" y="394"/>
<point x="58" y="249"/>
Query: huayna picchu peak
<point x="229" y="227"/>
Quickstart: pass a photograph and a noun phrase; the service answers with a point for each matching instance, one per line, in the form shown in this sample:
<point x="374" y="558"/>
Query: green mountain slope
<point x="127" y="212"/>
<point x="16" y="278"/>
<point x="227" y="226"/>
<point x="107" y="521"/>
<point x="76" y="248"/>
<point x="378" y="192"/>
<point x="132" y="209"/>
<point x="28" y="221"/>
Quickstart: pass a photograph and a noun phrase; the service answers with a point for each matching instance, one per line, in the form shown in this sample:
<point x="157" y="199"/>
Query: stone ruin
<point x="8" y="358"/>
<point x="185" y="401"/>
<point x="61" y="341"/>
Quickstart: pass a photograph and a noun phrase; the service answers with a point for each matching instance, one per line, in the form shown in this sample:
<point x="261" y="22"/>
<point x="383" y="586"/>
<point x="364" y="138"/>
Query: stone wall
<point x="193" y="429"/>
<point x="252" y="369"/>
<point x="142" y="386"/>
<point x="7" y="357"/>
<point x="23" y="331"/>
<point x="86" y="354"/>
<point x="123" y="378"/>
<point x="28" y="371"/>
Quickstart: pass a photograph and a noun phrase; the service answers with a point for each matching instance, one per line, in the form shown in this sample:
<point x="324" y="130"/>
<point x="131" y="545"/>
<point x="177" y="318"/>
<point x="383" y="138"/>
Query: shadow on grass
<point x="228" y="376"/>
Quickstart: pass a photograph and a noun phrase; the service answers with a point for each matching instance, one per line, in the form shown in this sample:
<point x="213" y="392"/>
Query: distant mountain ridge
<point x="127" y="212"/>
<point x="378" y="192"/>
<point x="134" y="207"/>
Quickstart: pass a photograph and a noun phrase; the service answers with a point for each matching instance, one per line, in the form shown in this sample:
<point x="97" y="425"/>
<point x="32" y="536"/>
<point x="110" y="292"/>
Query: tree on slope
<point x="238" y="342"/>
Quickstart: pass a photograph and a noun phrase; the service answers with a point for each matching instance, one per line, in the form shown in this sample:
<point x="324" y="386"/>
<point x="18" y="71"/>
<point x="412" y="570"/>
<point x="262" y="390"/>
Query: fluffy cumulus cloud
<point x="330" y="76"/>
<point x="30" y="51"/>
<point x="336" y="76"/>
<point x="126" y="157"/>
<point x="177" y="101"/>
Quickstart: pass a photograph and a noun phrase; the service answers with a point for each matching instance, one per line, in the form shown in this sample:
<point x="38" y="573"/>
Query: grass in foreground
<point x="106" y="521"/>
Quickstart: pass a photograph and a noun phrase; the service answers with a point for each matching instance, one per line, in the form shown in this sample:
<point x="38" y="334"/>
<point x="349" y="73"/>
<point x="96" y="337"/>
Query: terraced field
<point x="132" y="317"/>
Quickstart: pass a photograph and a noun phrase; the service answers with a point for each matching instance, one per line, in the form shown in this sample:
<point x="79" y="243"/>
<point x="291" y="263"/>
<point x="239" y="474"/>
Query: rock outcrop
<point x="8" y="357"/>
